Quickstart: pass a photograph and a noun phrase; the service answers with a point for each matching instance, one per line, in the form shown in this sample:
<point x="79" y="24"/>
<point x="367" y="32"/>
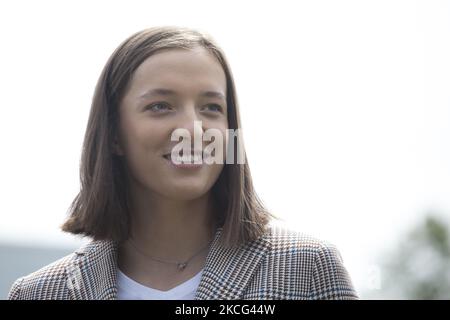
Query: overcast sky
<point x="357" y="91"/>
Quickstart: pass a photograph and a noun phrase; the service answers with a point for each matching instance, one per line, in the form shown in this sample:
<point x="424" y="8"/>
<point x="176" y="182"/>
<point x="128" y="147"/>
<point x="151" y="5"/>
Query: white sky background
<point x="357" y="92"/>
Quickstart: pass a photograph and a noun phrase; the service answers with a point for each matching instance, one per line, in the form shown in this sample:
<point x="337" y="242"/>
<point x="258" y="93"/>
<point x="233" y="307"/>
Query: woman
<point x="162" y="226"/>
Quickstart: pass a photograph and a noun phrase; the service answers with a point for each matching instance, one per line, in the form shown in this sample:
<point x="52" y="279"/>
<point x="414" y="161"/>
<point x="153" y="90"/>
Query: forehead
<point x="189" y="68"/>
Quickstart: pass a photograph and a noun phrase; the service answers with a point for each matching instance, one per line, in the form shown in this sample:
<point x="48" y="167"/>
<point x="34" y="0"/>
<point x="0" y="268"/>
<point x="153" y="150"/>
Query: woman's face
<point x="148" y="117"/>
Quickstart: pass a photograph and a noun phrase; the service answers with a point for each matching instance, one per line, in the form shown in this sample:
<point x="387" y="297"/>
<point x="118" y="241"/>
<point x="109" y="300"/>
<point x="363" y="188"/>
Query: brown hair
<point x="101" y="208"/>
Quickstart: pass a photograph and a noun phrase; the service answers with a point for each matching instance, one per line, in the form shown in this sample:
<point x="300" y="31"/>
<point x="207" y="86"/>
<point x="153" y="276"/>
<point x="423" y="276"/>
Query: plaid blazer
<point x="281" y="264"/>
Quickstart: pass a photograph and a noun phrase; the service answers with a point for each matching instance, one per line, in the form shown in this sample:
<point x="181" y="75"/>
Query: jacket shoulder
<point x="287" y="241"/>
<point x="49" y="282"/>
<point x="56" y="280"/>
<point x="318" y="263"/>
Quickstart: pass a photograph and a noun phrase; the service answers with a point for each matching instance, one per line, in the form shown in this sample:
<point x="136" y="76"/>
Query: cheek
<point x="143" y="142"/>
<point x="143" y="133"/>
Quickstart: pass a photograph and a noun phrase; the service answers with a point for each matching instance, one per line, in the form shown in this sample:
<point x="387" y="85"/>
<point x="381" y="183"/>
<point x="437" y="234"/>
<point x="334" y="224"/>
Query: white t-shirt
<point x="128" y="289"/>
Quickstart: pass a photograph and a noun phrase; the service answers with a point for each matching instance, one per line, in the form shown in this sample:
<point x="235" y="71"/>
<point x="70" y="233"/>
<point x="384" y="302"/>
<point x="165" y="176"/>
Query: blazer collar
<point x="226" y="273"/>
<point x="93" y="272"/>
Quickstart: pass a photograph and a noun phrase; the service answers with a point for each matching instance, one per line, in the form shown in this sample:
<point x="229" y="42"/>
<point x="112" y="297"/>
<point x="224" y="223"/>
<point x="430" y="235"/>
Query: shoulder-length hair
<point x="101" y="208"/>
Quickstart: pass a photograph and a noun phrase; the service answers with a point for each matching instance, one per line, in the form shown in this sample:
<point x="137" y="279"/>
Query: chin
<point x="188" y="191"/>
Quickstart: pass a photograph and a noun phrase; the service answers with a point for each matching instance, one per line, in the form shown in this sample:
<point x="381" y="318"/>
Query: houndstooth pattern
<point x="282" y="264"/>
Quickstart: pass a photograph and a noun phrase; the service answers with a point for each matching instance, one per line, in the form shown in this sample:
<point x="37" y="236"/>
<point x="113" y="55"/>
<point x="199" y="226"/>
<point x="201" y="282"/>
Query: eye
<point x="214" y="107"/>
<point x="158" y="107"/>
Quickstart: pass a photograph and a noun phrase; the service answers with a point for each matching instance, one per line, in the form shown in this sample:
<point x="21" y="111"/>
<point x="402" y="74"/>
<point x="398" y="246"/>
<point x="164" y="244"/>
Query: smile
<point x="189" y="158"/>
<point x="189" y="161"/>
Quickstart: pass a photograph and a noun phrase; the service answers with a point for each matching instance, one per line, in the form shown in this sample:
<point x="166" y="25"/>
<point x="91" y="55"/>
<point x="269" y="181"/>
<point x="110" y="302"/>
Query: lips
<point x="193" y="154"/>
<point x="189" y="161"/>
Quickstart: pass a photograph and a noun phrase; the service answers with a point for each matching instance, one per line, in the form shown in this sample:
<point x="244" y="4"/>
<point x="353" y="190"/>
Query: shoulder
<point x="48" y="280"/>
<point x="284" y="239"/>
<point x="51" y="281"/>
<point x="317" y="263"/>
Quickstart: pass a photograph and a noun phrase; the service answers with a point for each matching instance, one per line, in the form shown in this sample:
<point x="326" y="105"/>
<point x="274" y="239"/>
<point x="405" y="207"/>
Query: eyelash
<point x="155" y="104"/>
<point x="220" y="109"/>
<point x="216" y="105"/>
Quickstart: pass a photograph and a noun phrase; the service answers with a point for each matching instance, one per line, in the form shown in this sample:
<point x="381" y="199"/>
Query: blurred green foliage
<point x="419" y="268"/>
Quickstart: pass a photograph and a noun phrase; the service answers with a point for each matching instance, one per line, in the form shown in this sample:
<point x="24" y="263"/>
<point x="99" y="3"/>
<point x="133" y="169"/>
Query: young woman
<point x="163" y="227"/>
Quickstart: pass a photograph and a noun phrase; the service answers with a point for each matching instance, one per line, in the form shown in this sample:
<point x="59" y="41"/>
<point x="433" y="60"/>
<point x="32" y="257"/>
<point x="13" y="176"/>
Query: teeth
<point x="188" y="158"/>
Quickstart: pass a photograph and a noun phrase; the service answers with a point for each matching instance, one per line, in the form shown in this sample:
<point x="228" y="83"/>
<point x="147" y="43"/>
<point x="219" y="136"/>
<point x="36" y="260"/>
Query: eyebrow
<point x="168" y="92"/>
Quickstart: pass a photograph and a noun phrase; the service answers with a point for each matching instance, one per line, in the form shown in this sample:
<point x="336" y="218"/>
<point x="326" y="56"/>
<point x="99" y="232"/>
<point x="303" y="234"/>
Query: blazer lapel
<point x="92" y="276"/>
<point x="228" y="270"/>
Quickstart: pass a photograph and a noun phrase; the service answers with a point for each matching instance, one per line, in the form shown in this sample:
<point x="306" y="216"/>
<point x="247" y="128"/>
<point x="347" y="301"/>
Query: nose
<point x="190" y="121"/>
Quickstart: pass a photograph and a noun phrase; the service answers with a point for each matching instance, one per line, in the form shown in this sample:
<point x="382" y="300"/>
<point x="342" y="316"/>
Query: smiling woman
<point x="167" y="230"/>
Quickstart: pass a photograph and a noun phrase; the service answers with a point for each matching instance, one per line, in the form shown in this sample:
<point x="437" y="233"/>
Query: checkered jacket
<point x="281" y="264"/>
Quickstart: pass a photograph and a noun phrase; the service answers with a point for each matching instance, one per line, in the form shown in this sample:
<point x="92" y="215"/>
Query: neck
<point x="171" y="229"/>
